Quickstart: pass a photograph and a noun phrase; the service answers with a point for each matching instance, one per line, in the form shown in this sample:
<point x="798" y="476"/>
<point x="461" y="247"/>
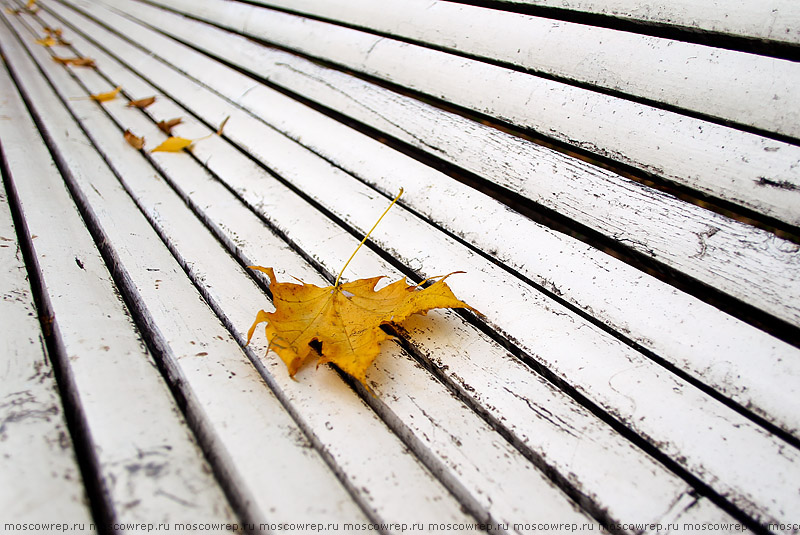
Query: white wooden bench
<point x="619" y="180"/>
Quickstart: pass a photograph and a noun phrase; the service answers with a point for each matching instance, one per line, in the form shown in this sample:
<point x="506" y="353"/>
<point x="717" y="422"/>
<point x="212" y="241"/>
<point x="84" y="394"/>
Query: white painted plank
<point x="648" y="488"/>
<point x="769" y="20"/>
<point x="506" y="500"/>
<point x="632" y="133"/>
<point x="752" y="265"/>
<point x="725" y="84"/>
<point x="712" y="345"/>
<point x="36" y="451"/>
<point x="151" y="469"/>
<point x="556" y="342"/>
<point x="236" y="414"/>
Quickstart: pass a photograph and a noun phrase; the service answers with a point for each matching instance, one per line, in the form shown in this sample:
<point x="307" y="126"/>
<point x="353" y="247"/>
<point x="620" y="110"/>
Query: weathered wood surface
<point x="300" y="169"/>
<point x="611" y="291"/>
<point x="772" y="20"/>
<point x="562" y="394"/>
<point x="725" y="84"/>
<point x="32" y="423"/>
<point x="715" y="159"/>
<point x="749" y="264"/>
<point x="631" y="466"/>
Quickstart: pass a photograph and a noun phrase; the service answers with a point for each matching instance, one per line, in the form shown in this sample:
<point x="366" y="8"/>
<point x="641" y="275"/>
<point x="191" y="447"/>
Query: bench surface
<point x="619" y="183"/>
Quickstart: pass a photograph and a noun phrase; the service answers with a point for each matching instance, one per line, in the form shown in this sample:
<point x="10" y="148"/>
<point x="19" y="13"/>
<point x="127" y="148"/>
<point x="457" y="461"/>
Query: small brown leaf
<point x="13" y="11"/>
<point x="141" y="103"/>
<point x="222" y="125"/>
<point x="83" y="62"/>
<point x="174" y="144"/>
<point x="105" y="97"/>
<point x="31" y="4"/>
<point x="167" y="126"/>
<point x="134" y="141"/>
<point x="77" y="62"/>
<point x="53" y="32"/>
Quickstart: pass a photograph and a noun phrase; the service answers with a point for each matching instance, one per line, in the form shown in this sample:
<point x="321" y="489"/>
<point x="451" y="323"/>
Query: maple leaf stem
<point x="335" y="284"/>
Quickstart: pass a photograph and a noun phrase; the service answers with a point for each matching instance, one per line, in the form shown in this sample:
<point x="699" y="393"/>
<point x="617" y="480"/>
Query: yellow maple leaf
<point x="343" y="321"/>
<point x="105" y="97"/>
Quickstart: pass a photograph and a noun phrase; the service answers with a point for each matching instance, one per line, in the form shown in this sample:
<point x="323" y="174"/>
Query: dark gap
<point x="138" y="312"/>
<point x="629" y="434"/>
<point x="655" y="29"/>
<point x="641" y="441"/>
<point x="685" y="193"/>
<point x="99" y="501"/>
<point x="672" y="368"/>
<point x="401" y="339"/>
<point x="512" y="66"/>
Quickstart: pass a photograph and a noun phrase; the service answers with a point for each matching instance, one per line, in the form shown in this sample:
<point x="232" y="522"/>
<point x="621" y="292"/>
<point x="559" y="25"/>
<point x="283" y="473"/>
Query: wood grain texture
<point x="243" y="237"/>
<point x="773" y="20"/>
<point x="599" y="123"/>
<point x="424" y="250"/>
<point x="36" y="450"/>
<point x="728" y="85"/>
<point x="712" y="346"/>
<point x="655" y="487"/>
<point x="150" y="468"/>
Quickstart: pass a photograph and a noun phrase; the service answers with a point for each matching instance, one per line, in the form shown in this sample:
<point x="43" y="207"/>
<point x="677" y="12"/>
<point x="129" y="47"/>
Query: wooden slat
<point x="728" y="85"/>
<point x="687" y="151"/>
<point x="713" y="346"/>
<point x="752" y="265"/>
<point x="237" y="416"/>
<point x="338" y="421"/>
<point x="768" y="20"/>
<point x="656" y="494"/>
<point x="151" y="470"/>
<point x="588" y="359"/>
<point x="36" y="451"/>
